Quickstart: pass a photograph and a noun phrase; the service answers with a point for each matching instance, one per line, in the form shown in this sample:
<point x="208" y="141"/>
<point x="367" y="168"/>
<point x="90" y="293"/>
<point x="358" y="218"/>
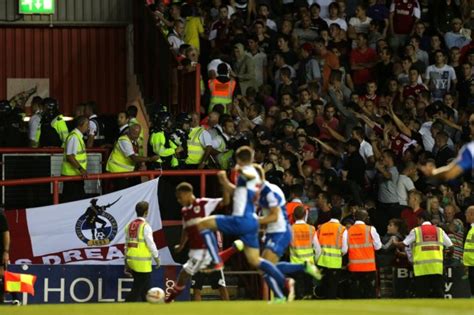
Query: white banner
<point x="93" y="230"/>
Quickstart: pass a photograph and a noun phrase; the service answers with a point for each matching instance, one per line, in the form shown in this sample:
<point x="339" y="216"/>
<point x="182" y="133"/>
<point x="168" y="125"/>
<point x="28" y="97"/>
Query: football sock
<point x="227" y="253"/>
<point x="273" y="285"/>
<point x="287" y="268"/>
<point x="176" y="291"/>
<point x="211" y="243"/>
<point x="270" y="269"/>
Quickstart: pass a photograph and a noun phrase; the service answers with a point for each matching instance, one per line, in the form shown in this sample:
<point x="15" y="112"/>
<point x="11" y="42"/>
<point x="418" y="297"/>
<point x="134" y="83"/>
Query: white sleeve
<point x="352" y="21"/>
<point x="344" y="242"/>
<point x="211" y="205"/>
<point x="410" y="239"/>
<point x="392" y="7"/>
<point x="316" y="246"/>
<point x="368" y="150"/>
<point x="446" y="240"/>
<point x="150" y="243"/>
<point x="427" y="73"/>
<point x="33" y="126"/>
<point x="343" y="25"/>
<point x="453" y="74"/>
<point x="206" y="138"/>
<point x="92" y="128"/>
<point x="272" y="200"/>
<point x="72" y="145"/>
<point x="376" y="238"/>
<point x="417" y="11"/>
<point x="126" y="147"/>
<point x="409" y="184"/>
<point x="409" y="252"/>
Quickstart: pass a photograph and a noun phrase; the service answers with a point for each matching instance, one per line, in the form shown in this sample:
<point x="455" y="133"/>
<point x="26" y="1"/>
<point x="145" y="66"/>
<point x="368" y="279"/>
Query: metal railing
<point x="46" y="150"/>
<point x="150" y="174"/>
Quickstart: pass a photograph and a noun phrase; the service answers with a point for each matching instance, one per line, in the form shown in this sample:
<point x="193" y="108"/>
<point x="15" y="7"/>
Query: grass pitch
<point x="343" y="307"/>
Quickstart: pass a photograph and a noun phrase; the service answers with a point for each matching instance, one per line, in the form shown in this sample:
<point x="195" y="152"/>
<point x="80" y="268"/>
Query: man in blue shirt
<point x="244" y="224"/>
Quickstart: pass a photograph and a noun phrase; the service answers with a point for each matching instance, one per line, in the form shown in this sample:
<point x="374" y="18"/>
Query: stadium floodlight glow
<point x="36" y="6"/>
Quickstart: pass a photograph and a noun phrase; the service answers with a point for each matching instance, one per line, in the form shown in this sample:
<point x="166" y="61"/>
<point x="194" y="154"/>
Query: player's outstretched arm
<point x="445" y="173"/>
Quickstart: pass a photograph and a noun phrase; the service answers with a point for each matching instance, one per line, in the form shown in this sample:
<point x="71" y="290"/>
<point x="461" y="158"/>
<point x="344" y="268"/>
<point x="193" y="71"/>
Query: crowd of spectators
<point x="342" y="100"/>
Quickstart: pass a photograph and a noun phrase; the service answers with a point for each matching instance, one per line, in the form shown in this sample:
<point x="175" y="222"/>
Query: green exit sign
<point x="36" y="6"/>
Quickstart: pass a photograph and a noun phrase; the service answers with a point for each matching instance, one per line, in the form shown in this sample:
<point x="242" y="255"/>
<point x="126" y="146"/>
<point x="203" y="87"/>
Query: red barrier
<point x="150" y="174"/>
<point x="46" y="150"/>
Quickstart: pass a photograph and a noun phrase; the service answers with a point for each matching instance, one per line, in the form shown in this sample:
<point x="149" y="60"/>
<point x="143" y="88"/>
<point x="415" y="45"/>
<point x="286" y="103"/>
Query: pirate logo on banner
<point x="96" y="227"/>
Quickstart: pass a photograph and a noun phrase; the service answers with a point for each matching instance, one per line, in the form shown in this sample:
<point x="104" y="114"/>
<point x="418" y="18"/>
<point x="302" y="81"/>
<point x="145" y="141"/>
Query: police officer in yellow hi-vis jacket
<point x="75" y="160"/>
<point x="468" y="257"/>
<point x="427" y="244"/>
<point x="140" y="249"/>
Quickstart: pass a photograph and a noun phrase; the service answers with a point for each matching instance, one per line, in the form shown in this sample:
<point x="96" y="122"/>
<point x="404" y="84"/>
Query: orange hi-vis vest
<point x="361" y="248"/>
<point x="301" y="248"/>
<point x="330" y="239"/>
<point x="290" y="208"/>
<point x="221" y="93"/>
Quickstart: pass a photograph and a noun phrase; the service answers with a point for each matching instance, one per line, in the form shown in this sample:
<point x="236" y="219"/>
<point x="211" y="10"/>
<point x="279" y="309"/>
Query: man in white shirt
<point x="122" y="121"/>
<point x="260" y="60"/>
<point x="467" y="257"/>
<point x="34" y="125"/>
<point x="95" y="135"/>
<point x="427" y="283"/>
<point x="440" y="77"/>
<point x="361" y="250"/>
<point x="330" y="281"/>
<point x="175" y="37"/>
<point x="134" y="235"/>
<point x="405" y="183"/>
<point x="126" y="149"/>
<point x="264" y="13"/>
<point x="74" y="146"/>
<point x="365" y="149"/>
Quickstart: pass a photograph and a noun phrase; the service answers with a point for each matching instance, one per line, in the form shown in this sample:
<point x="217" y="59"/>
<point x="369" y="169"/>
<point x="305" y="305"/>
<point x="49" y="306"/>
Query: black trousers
<point x="73" y="191"/>
<point x="471" y="279"/>
<point x="430" y="286"/>
<point x="363" y="285"/>
<point x="141" y="285"/>
<point x="303" y="285"/>
<point x="330" y="282"/>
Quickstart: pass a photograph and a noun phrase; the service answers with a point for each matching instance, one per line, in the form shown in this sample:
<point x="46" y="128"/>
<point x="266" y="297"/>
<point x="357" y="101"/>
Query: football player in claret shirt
<point x="199" y="257"/>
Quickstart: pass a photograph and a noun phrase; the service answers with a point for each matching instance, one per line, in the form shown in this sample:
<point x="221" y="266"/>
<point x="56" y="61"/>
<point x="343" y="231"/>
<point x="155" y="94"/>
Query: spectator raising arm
<point x="326" y="147"/>
<point x="336" y="135"/>
<point x="399" y="123"/>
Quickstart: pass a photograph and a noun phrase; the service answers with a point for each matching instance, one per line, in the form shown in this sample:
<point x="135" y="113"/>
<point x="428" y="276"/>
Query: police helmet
<point x="181" y="119"/>
<point x="161" y="120"/>
<point x="51" y="105"/>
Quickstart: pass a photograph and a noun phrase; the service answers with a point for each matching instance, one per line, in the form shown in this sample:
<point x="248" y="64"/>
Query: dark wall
<point x="81" y="63"/>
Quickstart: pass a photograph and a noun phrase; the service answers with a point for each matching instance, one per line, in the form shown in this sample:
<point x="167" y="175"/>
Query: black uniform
<point x="49" y="136"/>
